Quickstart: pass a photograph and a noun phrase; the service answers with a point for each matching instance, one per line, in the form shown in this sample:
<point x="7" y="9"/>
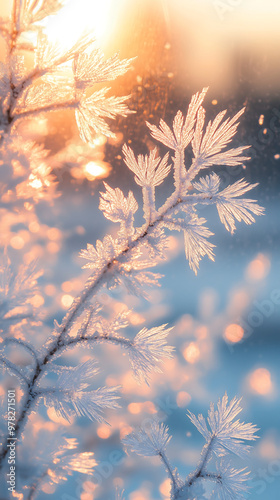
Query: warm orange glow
<point x="34" y="227"/>
<point x="67" y="286"/>
<point x="136" y="318"/>
<point x="37" y="300"/>
<point x="17" y="242"/>
<point x="103" y="431"/>
<point x="138" y="495"/>
<point x="48" y="488"/>
<point x="134" y="408"/>
<point x="201" y="332"/>
<point x="183" y="398"/>
<point x="66" y="301"/>
<point x="95" y="169"/>
<point x="258" y="268"/>
<point x="191" y="353"/>
<point x="77" y="17"/>
<point x="35" y="182"/>
<point x="260" y="381"/>
<point x="165" y="488"/>
<point x="239" y="301"/>
<point x="268" y="448"/>
<point x="214" y="102"/>
<point x="261" y="119"/>
<point x="53" y="247"/>
<point x="234" y="333"/>
<point x="50" y="290"/>
<point x="53" y="233"/>
<point x="89" y="486"/>
<point x="124" y="431"/>
<point x="87" y="496"/>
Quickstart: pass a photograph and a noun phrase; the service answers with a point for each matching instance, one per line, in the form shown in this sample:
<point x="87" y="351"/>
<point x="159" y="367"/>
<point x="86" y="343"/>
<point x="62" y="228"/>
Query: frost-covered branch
<point x="226" y="435"/>
<point x="127" y="258"/>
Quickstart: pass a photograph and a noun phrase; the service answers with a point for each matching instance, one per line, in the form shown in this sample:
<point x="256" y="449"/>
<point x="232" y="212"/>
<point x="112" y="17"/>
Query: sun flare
<point x="76" y="18"/>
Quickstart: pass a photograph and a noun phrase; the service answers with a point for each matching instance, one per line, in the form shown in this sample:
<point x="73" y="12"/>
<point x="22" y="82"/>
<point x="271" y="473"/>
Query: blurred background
<point x="226" y="319"/>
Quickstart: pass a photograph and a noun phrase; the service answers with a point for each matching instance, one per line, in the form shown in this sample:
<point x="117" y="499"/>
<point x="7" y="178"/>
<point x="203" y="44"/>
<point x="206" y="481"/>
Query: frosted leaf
<point x="116" y="207"/>
<point x="45" y="94"/>
<point x="227" y="433"/>
<point x="207" y="147"/>
<point x="229" y="208"/>
<point x="232" y="484"/>
<point x="50" y="55"/>
<point x="33" y="11"/>
<point x="182" y="128"/>
<point x="148" y="349"/>
<point x="208" y="185"/>
<point x="91" y="68"/>
<point x="78" y="377"/>
<point x="69" y="394"/>
<point x="46" y="54"/>
<point x="148" y="443"/>
<point x="92" y="403"/>
<point x="16" y="290"/>
<point x="108" y="327"/>
<point x="100" y="255"/>
<point x="135" y="281"/>
<point x="196" y="243"/>
<point x="195" y="236"/>
<point x="92" y="111"/>
<point x="149" y="170"/>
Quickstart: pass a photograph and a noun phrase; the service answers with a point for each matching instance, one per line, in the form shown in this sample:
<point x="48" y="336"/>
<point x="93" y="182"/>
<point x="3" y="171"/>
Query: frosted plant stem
<point x="92" y="287"/>
<point x="167" y="465"/>
<point x="13" y="368"/>
<point x="205" y="457"/>
<point x="34" y="488"/>
<point x="45" y="109"/>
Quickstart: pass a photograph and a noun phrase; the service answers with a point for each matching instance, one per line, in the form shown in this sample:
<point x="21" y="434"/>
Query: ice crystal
<point x="149" y="442"/>
<point x="225" y="432"/>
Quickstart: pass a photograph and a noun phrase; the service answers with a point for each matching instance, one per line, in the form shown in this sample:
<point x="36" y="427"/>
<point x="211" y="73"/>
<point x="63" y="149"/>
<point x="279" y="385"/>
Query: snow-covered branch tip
<point x="224" y="436"/>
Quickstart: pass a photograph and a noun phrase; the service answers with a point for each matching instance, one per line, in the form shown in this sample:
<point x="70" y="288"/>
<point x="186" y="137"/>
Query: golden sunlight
<point x="76" y="18"/>
<point x="95" y="169"/>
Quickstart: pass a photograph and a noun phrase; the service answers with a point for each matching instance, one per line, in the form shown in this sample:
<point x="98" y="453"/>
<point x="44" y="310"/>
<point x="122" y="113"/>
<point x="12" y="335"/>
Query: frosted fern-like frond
<point x="182" y="133"/>
<point x="92" y="111"/>
<point x="229" y="208"/>
<point x="225" y="432"/>
<point x="69" y="395"/>
<point x="34" y="11"/>
<point x="91" y="68"/>
<point x="148" y="443"/>
<point x="232" y="483"/>
<point x="116" y="207"/>
<point x="97" y="257"/>
<point x="229" y="483"/>
<point x="16" y="290"/>
<point x="149" y="170"/>
<point x="207" y="147"/>
<point x="149" y="347"/>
